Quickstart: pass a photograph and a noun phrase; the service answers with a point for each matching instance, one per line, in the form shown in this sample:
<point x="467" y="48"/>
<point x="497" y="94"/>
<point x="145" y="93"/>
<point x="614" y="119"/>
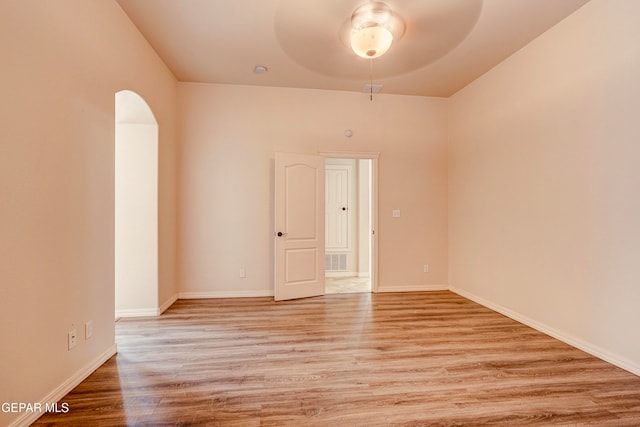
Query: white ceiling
<point x="446" y="45"/>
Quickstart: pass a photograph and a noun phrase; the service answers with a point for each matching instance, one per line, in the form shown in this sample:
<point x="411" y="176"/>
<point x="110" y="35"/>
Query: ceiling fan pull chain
<point x="371" y="79"/>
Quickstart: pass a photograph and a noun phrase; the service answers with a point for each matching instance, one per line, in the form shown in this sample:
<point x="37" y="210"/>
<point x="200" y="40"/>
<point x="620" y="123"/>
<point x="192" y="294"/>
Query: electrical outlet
<point x="425" y="268"/>
<point x="72" y="339"/>
<point x="243" y="273"/>
<point x="88" y="329"/>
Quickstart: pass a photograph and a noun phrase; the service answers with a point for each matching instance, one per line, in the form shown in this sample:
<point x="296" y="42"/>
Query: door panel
<point x="341" y="204"/>
<point x="299" y="223"/>
<point x="337" y="198"/>
<point x="301" y="265"/>
<point x="301" y="207"/>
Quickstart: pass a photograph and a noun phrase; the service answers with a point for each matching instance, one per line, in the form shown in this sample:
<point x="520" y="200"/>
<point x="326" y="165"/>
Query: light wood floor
<point x="347" y="360"/>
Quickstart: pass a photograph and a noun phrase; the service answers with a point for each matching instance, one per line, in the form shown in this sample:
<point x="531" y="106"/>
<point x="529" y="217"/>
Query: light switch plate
<point x="395" y="213"/>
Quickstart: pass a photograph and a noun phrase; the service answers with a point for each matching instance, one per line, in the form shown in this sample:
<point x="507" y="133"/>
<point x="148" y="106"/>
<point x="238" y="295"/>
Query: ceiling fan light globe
<point x="371" y="42"/>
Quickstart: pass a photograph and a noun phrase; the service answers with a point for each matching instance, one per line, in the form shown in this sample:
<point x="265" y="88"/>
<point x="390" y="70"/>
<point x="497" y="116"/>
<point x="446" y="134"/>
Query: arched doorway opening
<point x="136" y="207"/>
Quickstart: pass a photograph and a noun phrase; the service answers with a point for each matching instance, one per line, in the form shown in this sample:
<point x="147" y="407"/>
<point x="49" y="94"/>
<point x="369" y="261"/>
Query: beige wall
<point x="62" y="63"/>
<point x="544" y="206"/>
<point x="228" y="138"/>
<point x="541" y="182"/>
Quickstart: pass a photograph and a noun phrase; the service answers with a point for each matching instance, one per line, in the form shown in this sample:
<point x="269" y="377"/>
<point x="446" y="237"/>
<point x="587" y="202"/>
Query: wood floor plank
<point x="411" y="359"/>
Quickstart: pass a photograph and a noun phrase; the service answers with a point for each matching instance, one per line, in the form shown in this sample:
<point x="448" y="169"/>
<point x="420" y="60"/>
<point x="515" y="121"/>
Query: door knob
<point x="280" y="234"/>
<point x="344" y="208"/>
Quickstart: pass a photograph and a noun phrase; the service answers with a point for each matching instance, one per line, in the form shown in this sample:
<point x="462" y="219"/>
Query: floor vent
<point x="335" y="262"/>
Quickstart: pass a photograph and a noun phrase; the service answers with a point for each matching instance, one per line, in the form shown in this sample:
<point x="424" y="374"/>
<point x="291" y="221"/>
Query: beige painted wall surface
<point x="62" y="63"/>
<point x="228" y="138"/>
<point x="544" y="206"/>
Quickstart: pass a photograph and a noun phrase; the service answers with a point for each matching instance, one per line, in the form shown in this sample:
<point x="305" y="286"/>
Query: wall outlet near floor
<point x="88" y="329"/>
<point x="243" y="273"/>
<point x="72" y="339"/>
<point x="425" y="268"/>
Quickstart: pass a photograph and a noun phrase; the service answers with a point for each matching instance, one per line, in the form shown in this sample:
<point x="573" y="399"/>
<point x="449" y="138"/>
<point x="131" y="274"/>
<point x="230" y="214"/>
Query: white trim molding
<point x="350" y="154"/>
<point x="168" y="303"/>
<point x="65" y="388"/>
<point x="147" y="312"/>
<point x="341" y="274"/>
<point x="137" y="312"/>
<point x="225" y="294"/>
<point x="573" y="341"/>
<point x="412" y="288"/>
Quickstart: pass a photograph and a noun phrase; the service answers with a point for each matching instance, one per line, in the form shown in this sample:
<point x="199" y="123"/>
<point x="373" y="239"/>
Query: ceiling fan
<point x="402" y="36"/>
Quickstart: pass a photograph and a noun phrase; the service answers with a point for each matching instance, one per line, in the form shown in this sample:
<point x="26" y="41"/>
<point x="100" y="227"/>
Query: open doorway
<point x="136" y="207"/>
<point x="299" y="225"/>
<point x="348" y="225"/>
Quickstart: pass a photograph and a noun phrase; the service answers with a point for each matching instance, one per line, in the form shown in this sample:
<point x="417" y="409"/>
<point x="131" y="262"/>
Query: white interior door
<point x="337" y="208"/>
<point x="299" y="226"/>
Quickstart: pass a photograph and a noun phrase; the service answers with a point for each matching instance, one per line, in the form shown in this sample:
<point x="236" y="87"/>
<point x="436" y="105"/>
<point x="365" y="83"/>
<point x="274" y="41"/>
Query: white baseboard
<point x="168" y="304"/>
<point x="340" y="274"/>
<point x="63" y="389"/>
<point x="587" y="347"/>
<point x="137" y="312"/>
<point x="225" y="294"/>
<point x="412" y="288"/>
<point x="146" y="312"/>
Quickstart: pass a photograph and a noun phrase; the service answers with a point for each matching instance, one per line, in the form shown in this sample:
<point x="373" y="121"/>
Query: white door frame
<point x="373" y="156"/>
